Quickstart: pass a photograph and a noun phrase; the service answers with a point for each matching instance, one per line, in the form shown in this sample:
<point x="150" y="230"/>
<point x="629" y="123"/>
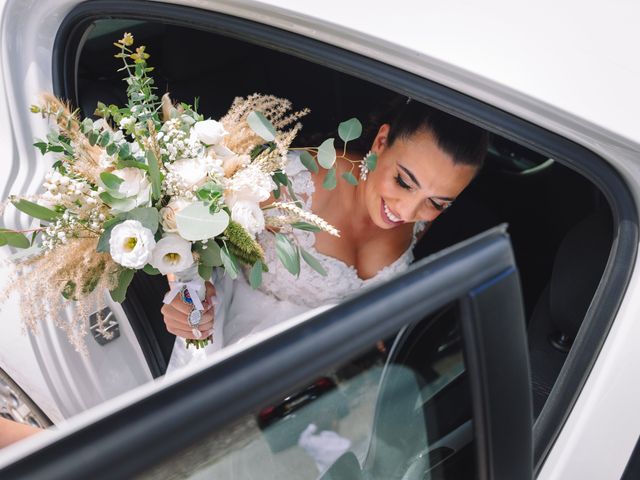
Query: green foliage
<point x="329" y="182"/>
<point x="313" y="262"/>
<point x="309" y="162"/>
<point x="111" y="181"/>
<point x="261" y="126"/>
<point x="348" y="176"/>
<point x="210" y="192"/>
<point x="288" y="254"/>
<point x="103" y="241"/>
<point x="196" y="222"/>
<point x="147" y="216"/>
<point x="154" y="174"/>
<point x="205" y="272"/>
<point x="327" y="154"/>
<point x="119" y="293"/>
<point x="36" y="211"/>
<point x="13" y="239"/>
<point x="230" y="262"/>
<point x="149" y="270"/>
<point x="242" y="244"/>
<point x="306" y="227"/>
<point x="350" y="130"/>
<point x="255" y="275"/>
<point x="210" y="256"/>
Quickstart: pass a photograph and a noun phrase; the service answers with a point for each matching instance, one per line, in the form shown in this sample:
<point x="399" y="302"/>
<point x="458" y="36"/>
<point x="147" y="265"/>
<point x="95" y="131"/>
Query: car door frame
<point x="622" y="259"/>
<point x="479" y="273"/>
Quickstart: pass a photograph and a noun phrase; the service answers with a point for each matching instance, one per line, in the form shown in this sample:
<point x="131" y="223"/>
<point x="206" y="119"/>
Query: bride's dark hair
<point x="465" y="142"/>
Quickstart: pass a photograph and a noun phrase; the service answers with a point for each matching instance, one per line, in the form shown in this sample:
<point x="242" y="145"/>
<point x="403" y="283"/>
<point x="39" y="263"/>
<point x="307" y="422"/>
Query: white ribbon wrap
<point x="193" y="287"/>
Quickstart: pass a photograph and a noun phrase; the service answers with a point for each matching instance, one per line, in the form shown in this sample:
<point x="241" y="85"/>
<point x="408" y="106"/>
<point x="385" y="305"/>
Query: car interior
<point x="559" y="222"/>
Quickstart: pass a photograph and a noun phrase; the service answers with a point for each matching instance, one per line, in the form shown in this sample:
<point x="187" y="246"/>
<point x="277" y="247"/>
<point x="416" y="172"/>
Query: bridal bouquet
<point x="154" y="186"/>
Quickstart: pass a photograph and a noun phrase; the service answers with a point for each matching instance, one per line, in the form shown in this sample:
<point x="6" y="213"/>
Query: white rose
<point x="249" y="184"/>
<point x="136" y="185"/>
<point x="172" y="254"/>
<point x="194" y="171"/>
<point x="131" y="244"/>
<point x="249" y="215"/>
<point x="168" y="214"/>
<point x="209" y="131"/>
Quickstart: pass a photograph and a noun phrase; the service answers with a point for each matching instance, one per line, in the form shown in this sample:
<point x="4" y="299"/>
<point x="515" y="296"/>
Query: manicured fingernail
<point x="213" y="300"/>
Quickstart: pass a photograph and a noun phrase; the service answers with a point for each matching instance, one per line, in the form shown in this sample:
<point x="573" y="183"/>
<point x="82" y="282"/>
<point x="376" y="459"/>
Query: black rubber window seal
<point x="618" y="271"/>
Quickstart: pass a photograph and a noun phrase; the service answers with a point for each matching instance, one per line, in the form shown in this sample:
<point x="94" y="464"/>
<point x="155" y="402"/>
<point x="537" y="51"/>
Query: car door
<point x="445" y="394"/>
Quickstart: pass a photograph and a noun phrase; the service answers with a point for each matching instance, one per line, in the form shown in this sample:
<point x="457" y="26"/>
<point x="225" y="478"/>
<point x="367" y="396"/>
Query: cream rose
<point x="172" y="254"/>
<point x="249" y="184"/>
<point x="131" y="244"/>
<point x="168" y="214"/>
<point x="209" y="131"/>
<point x="249" y="215"/>
<point x="135" y="185"/>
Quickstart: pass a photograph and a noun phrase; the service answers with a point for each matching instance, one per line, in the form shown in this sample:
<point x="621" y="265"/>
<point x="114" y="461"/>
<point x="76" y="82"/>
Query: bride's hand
<point x="175" y="315"/>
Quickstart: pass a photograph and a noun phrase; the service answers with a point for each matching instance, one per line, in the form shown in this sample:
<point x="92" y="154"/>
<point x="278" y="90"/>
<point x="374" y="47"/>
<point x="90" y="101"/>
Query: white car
<point x="511" y="354"/>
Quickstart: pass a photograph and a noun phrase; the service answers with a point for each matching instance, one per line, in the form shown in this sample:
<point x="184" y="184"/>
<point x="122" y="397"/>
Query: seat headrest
<point x="577" y="270"/>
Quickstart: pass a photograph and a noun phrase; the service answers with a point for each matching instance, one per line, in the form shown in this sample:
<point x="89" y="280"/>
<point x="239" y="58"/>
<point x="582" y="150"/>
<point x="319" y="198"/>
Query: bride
<point x="426" y="158"/>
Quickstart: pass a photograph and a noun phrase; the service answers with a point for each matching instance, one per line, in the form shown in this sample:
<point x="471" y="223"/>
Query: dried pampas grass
<point x="74" y="269"/>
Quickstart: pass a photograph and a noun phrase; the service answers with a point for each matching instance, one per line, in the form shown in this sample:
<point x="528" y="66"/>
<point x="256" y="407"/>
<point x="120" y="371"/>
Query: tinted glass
<point x="400" y="411"/>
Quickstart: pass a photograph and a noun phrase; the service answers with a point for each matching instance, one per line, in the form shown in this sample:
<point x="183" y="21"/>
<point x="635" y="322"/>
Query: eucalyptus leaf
<point x="288" y="254"/>
<point x="306" y="227"/>
<point x="350" y="130"/>
<point x="327" y="154"/>
<point x="309" y="162"/>
<point x="195" y="222"/>
<point x="119" y="204"/>
<point x="205" y="272"/>
<point x="36" y="211"/>
<point x="255" y="275"/>
<point x="348" y="176"/>
<point x="329" y="182"/>
<point x="230" y="262"/>
<point x="154" y="174"/>
<point x="211" y="255"/>
<point x="280" y="177"/>
<point x="149" y="270"/>
<point x="313" y="262"/>
<point x="111" y="181"/>
<point x="261" y="126"/>
<point x="13" y="239"/>
<point x="119" y="293"/>
<point x="132" y="164"/>
<point x="147" y="216"/>
<point x="103" y="241"/>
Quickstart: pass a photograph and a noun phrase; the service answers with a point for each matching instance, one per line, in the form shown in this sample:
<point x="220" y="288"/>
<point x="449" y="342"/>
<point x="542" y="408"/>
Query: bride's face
<point x="414" y="180"/>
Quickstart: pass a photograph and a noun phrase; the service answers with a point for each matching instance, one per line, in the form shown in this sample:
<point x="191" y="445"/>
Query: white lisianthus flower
<point x="168" y="214"/>
<point x="249" y="215"/>
<point x="209" y="131"/>
<point x="136" y="185"/>
<point x="249" y="184"/>
<point x="131" y="244"/>
<point x="172" y="254"/>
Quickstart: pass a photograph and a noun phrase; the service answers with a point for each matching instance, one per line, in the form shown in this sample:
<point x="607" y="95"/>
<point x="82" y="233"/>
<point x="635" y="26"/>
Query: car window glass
<point x="404" y="413"/>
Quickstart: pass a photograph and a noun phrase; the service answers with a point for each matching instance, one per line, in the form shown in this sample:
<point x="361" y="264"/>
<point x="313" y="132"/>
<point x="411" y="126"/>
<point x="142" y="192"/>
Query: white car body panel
<point x="60" y="380"/>
<point x="571" y="68"/>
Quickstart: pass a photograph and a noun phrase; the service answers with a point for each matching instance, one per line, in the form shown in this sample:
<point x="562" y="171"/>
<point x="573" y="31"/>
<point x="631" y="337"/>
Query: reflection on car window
<point x="403" y="414"/>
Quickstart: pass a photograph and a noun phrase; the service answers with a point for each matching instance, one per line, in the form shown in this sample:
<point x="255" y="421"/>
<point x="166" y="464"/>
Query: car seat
<point x="558" y="314"/>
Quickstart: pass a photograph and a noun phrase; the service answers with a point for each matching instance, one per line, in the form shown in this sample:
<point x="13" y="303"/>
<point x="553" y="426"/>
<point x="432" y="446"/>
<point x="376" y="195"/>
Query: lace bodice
<point x="310" y="288"/>
<point x="242" y="311"/>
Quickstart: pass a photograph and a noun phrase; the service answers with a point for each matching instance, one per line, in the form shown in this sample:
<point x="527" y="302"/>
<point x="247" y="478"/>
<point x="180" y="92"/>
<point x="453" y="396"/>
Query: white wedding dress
<point x="241" y="311"/>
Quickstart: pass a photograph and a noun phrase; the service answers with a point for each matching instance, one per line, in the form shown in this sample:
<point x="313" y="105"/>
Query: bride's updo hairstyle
<point x="466" y="143"/>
